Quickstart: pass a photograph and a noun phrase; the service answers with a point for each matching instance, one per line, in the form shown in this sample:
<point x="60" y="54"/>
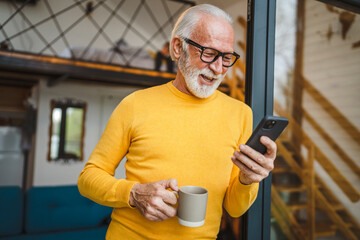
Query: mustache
<point x="194" y="71"/>
<point x="209" y="74"/>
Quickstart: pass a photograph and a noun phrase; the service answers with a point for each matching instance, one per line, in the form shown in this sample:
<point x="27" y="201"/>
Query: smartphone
<point x="270" y="126"/>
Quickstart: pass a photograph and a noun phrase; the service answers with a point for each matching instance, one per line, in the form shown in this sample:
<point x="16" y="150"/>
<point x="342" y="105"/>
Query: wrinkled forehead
<point x="215" y="32"/>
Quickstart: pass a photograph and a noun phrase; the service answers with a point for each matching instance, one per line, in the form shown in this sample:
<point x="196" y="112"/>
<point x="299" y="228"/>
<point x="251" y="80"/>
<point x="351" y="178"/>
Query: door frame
<point x="259" y="88"/>
<point x="259" y="96"/>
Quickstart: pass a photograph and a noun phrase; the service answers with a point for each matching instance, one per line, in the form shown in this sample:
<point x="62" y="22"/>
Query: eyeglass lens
<point x="209" y="55"/>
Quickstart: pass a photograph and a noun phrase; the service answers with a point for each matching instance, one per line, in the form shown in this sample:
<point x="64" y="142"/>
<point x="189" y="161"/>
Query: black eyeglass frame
<point x="189" y="41"/>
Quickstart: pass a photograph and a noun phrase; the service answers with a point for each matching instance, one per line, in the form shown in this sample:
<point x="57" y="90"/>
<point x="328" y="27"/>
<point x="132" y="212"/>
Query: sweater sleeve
<point x="239" y="197"/>
<point x="97" y="181"/>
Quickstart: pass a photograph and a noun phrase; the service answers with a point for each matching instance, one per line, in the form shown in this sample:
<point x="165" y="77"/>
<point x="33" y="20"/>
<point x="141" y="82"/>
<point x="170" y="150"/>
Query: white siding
<point x="332" y="66"/>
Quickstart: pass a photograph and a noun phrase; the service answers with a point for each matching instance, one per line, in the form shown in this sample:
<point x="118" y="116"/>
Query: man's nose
<point x="217" y="66"/>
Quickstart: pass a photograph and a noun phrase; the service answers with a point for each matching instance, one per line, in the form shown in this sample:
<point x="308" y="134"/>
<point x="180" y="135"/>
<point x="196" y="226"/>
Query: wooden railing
<point x="286" y="219"/>
<point x="319" y="195"/>
<point x="344" y="184"/>
<point x="332" y="111"/>
<point x="325" y="136"/>
<point x="307" y="174"/>
<point x="304" y="169"/>
<point x="237" y="84"/>
<point x="331" y="142"/>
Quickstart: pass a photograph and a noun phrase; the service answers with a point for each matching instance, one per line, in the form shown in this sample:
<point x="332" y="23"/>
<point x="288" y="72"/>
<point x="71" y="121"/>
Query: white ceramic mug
<point x="192" y="204"/>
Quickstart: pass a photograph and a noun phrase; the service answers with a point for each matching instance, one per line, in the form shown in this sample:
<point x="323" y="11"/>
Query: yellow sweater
<point x="165" y="134"/>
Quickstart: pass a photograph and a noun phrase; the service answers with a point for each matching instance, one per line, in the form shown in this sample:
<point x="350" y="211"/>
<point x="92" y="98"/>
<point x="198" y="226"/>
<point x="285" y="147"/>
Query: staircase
<point x="302" y="203"/>
<point x="303" y="206"/>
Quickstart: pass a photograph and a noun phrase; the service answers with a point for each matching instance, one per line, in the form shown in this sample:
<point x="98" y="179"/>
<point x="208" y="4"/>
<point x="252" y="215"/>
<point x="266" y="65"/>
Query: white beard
<point x="191" y="75"/>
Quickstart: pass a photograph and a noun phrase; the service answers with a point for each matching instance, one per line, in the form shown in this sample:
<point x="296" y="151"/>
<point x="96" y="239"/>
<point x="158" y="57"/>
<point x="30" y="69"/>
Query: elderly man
<point x="181" y="133"/>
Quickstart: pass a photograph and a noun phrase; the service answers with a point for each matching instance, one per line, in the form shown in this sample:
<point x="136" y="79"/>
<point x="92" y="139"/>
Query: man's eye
<point x="227" y="59"/>
<point x="209" y="54"/>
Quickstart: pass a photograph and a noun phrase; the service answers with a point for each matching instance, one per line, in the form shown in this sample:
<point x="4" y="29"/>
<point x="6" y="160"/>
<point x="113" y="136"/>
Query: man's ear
<point x="176" y="44"/>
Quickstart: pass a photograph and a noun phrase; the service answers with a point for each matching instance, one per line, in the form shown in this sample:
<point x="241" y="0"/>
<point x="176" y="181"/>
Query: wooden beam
<point x="284" y="225"/>
<point x="311" y="189"/>
<point x="298" y="72"/>
<point x="341" y="153"/>
<point x="286" y="214"/>
<point x="345" y="185"/>
<point x="336" y="204"/>
<point x="13" y="98"/>
<point x="343" y="227"/>
<point x="349" y="128"/>
<point x="282" y="151"/>
<point x="242" y="45"/>
<point x="242" y="21"/>
<point x="332" y="111"/>
<point x="291" y="189"/>
<point x="85" y="71"/>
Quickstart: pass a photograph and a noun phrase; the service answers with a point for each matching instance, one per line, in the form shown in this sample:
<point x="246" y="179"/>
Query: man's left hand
<point x="254" y="166"/>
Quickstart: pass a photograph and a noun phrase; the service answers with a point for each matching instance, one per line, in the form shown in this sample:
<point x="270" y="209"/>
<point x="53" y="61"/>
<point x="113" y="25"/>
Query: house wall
<point x="331" y="65"/>
<point x="101" y="101"/>
<point x="285" y="42"/>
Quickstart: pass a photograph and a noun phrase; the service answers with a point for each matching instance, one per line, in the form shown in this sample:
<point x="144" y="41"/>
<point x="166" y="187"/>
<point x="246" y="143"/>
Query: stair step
<point x="300" y="206"/>
<point x="280" y="162"/>
<point x="349" y="225"/>
<point x="282" y="170"/>
<point x="322" y="229"/>
<point x="335" y="206"/>
<point x="287" y="144"/>
<point x="282" y="188"/>
<point x="224" y="87"/>
<point x="297" y="206"/>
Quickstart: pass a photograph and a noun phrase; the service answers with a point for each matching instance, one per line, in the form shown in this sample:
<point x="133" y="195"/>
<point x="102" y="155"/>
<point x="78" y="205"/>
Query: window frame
<point x="64" y="104"/>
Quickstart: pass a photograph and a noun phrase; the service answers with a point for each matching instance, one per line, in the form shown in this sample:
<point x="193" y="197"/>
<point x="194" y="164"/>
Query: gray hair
<point x="185" y="24"/>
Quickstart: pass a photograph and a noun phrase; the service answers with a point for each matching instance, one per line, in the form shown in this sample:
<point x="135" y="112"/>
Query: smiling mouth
<point x="207" y="79"/>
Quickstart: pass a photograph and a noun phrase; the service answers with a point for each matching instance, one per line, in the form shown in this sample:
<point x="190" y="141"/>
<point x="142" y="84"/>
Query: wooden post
<point x="298" y="71"/>
<point x="311" y="188"/>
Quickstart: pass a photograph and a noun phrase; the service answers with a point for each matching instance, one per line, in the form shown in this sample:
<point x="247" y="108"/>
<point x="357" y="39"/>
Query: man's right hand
<point x="153" y="200"/>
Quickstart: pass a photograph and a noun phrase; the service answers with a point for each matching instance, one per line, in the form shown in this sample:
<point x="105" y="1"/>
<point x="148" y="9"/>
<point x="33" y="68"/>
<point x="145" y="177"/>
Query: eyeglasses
<point x="210" y="55"/>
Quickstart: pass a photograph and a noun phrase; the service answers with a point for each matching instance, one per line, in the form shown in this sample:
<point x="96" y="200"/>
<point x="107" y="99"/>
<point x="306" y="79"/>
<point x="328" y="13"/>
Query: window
<point x="67" y="122"/>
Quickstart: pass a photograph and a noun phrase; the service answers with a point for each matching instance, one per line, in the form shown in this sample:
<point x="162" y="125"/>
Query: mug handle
<point x="177" y="196"/>
<point x="176" y="193"/>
